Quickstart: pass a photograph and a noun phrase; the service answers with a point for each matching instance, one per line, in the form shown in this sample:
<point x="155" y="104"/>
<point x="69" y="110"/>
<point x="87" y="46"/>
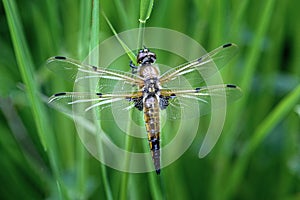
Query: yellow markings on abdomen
<point x="152" y="123"/>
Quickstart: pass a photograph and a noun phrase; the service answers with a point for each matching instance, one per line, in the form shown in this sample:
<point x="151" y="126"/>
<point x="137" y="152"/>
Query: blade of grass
<point x="250" y="65"/>
<point x="141" y="35"/>
<point x="25" y="66"/>
<point x="155" y="185"/>
<point x="145" y="12"/>
<point x="277" y="115"/>
<point x="253" y="56"/>
<point x="125" y="176"/>
<point x="84" y="33"/>
<point x="122" y="12"/>
<point x="217" y="25"/>
<point x="21" y="135"/>
<point x="81" y="161"/>
<point x="24" y="62"/>
<point x="254" y="52"/>
<point x="238" y="18"/>
<point x="146" y="7"/>
<point x="53" y="22"/>
<point x="95" y="33"/>
<point x="128" y="141"/>
<point x="128" y="51"/>
<point x="95" y="24"/>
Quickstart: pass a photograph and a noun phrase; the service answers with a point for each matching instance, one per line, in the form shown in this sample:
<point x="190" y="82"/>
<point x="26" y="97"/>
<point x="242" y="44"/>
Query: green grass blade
<point x="95" y="33"/>
<point x="277" y="115"/>
<point x="121" y="10"/>
<point x="83" y="47"/>
<point x="155" y="185"/>
<point x="84" y="33"/>
<point x="141" y="35"/>
<point x="25" y="65"/>
<point x="217" y="26"/>
<point x="146" y="7"/>
<point x="254" y="52"/>
<point x="248" y="73"/>
<point x="95" y="27"/>
<point x="125" y="176"/>
<point x="128" y="51"/>
<point x="145" y="10"/>
<point x="251" y="62"/>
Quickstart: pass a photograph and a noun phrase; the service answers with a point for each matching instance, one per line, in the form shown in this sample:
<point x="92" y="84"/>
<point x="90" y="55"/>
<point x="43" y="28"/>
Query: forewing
<point x="197" y="71"/>
<point x="81" y="73"/>
<point x="99" y="94"/>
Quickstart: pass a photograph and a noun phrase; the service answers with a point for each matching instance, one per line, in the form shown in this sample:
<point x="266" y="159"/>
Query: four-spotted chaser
<point x="151" y="93"/>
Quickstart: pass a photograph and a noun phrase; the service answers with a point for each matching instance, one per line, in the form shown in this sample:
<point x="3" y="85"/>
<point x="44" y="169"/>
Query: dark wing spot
<point x="227" y="45"/>
<point x="138" y="103"/>
<point x="60" y="57"/>
<point x="60" y="94"/>
<point x="172" y="95"/>
<point x="231" y="86"/>
<point x="99" y="94"/>
<point x="197" y="89"/>
<point x="94" y="68"/>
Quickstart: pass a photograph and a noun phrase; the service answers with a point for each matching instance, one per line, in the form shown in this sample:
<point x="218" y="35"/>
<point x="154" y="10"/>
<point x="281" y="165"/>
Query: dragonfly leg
<point x="138" y="102"/>
<point x="164" y="102"/>
<point x="133" y="67"/>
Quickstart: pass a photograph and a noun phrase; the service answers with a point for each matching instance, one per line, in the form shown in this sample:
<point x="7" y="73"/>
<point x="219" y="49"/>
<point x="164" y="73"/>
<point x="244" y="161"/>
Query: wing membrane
<point x="103" y="104"/>
<point x="197" y="102"/>
<point x="69" y="68"/>
<point x="198" y="70"/>
<point x="118" y="94"/>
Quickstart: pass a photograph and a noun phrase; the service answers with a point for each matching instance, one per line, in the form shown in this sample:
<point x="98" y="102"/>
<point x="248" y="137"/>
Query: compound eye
<point x="153" y="55"/>
<point x="141" y="57"/>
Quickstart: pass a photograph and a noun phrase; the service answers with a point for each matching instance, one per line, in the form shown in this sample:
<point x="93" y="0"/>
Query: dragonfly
<point x="147" y="89"/>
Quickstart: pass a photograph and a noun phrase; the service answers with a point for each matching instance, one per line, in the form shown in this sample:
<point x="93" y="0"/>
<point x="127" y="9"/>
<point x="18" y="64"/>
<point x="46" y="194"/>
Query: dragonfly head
<point x="146" y="57"/>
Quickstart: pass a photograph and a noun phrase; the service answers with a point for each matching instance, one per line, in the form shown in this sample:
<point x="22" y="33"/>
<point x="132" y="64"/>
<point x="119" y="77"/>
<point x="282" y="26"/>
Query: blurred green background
<point x="258" y="154"/>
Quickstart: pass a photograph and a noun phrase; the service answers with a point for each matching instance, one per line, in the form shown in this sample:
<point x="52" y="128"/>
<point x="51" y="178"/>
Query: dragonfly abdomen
<point x="151" y="116"/>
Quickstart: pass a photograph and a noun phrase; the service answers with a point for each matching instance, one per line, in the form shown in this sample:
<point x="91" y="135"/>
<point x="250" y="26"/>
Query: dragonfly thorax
<point x="151" y="86"/>
<point x="149" y="72"/>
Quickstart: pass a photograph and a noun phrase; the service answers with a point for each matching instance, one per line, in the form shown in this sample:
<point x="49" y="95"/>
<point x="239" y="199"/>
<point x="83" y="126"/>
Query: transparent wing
<point x="101" y="106"/>
<point x="99" y="94"/>
<point x="79" y="72"/>
<point x="199" y="101"/>
<point x="198" y="70"/>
